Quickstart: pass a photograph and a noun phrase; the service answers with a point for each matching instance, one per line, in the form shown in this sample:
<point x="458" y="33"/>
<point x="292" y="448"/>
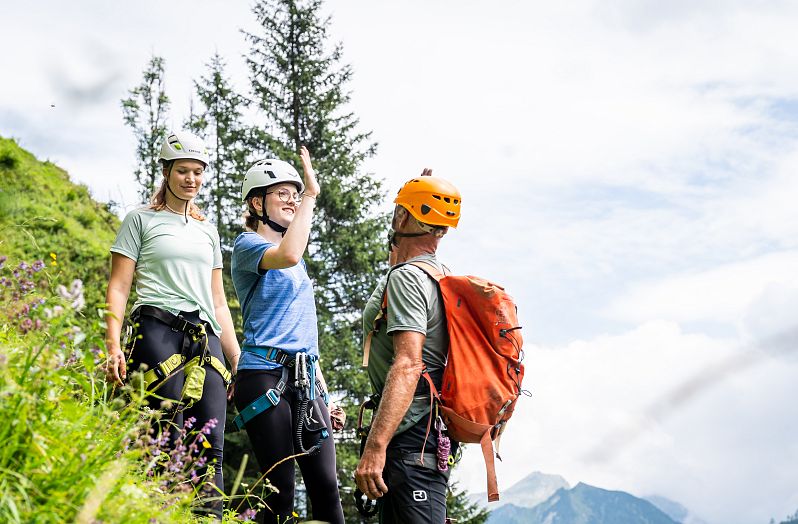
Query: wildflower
<point x="54" y="259"/>
<point x="3" y="261"/>
<point x="247" y="514"/>
<point x="38" y="266"/>
<point x="26" y="325"/>
<point x="74" y="295"/>
<point x="206" y="429"/>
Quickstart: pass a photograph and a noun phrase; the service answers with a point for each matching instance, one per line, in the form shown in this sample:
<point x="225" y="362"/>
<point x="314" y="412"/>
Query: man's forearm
<point x="400" y="385"/>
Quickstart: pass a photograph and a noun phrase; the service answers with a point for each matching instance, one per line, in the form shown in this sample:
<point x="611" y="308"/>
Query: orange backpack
<point x="482" y="378"/>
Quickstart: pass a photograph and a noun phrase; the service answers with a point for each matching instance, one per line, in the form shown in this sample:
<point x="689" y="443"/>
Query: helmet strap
<point x="169" y="187"/>
<point x="393" y="236"/>
<point x="265" y="218"/>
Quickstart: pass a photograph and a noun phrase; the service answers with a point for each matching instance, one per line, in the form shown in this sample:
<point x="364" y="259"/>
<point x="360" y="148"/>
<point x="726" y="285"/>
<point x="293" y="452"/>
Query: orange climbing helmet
<point x="431" y="200"/>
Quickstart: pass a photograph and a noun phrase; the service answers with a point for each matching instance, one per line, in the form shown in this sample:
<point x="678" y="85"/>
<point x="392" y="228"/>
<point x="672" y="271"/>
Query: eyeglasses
<point x="286" y="196"/>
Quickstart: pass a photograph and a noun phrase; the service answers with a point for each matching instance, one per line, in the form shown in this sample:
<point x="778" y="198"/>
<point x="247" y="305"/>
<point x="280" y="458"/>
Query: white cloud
<point x="657" y="410"/>
<point x="723" y="294"/>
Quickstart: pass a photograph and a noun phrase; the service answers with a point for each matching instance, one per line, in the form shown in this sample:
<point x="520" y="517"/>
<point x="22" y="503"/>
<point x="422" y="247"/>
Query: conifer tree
<point x="300" y="86"/>
<point x="461" y="509"/>
<point x="145" y="111"/>
<point x="219" y="121"/>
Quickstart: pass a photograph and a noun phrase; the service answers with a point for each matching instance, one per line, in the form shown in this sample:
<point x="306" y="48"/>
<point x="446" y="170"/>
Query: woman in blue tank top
<point x="279" y="389"/>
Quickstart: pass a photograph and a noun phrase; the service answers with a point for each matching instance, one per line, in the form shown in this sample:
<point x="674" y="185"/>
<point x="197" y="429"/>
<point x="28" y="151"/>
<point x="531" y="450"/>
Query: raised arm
<point x="295" y="241"/>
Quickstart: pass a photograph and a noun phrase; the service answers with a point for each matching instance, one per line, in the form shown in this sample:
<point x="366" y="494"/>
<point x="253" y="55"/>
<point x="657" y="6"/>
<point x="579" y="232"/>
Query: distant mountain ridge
<point x="541" y="498"/>
<point x="526" y="493"/>
<point x="583" y="504"/>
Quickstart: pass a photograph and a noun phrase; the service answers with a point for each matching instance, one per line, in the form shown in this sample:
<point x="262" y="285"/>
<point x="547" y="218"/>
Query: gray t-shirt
<point x="413" y="305"/>
<point x="174" y="261"/>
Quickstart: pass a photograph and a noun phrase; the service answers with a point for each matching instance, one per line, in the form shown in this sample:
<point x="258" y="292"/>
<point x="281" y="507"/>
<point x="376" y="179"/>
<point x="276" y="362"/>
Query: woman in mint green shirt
<point x="184" y="329"/>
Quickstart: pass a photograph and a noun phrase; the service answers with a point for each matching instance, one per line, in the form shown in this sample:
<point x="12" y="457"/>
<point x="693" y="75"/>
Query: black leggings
<point x="159" y="342"/>
<point x="272" y="436"/>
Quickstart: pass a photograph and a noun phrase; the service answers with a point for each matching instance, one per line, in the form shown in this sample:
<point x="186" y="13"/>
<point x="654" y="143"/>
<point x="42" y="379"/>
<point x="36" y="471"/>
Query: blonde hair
<point x="158" y="200"/>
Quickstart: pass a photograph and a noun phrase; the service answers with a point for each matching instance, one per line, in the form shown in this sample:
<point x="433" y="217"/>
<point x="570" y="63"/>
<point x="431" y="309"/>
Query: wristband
<point x="305" y="195"/>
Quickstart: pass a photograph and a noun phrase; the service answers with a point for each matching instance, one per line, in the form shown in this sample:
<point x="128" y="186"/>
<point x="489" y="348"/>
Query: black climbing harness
<point x="308" y="418"/>
<point x="193" y="357"/>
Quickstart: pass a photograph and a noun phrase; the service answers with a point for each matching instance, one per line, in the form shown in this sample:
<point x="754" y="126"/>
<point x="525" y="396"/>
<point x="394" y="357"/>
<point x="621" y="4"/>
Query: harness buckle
<point x="159" y="372"/>
<point x="274" y="396"/>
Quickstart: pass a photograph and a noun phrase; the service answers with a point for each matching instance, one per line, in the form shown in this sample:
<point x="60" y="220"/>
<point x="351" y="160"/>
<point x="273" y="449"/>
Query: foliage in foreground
<point x="73" y="448"/>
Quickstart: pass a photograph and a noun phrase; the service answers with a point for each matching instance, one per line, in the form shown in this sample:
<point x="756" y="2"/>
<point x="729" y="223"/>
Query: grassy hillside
<point x="43" y="212"/>
<point x="72" y="447"/>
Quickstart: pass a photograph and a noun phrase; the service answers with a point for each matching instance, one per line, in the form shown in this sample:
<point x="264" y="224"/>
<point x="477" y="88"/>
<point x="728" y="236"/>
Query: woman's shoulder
<point x="249" y="239"/>
<point x="138" y="216"/>
<point x="144" y="210"/>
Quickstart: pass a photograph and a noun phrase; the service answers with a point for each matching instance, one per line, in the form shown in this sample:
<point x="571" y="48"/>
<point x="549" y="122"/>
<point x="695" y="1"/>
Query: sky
<point x="628" y="172"/>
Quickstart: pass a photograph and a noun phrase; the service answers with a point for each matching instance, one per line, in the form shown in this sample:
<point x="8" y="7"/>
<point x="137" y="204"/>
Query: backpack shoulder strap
<point x="381" y="314"/>
<point x="431" y="269"/>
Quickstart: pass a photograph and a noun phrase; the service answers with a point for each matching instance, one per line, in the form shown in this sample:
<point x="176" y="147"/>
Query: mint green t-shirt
<point x="413" y="305"/>
<point x="174" y="261"/>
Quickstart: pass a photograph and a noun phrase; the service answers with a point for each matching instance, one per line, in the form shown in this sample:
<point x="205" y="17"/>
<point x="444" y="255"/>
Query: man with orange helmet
<point x="399" y="465"/>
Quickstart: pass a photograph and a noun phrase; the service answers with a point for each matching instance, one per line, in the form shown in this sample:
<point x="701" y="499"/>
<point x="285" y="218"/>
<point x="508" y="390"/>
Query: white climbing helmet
<point x="265" y="173"/>
<point x="184" y="145"/>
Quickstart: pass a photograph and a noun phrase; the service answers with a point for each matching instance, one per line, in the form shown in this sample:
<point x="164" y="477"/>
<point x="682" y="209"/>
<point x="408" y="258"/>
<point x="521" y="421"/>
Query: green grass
<point x="43" y="212"/>
<point x="68" y="441"/>
<point x="72" y="448"/>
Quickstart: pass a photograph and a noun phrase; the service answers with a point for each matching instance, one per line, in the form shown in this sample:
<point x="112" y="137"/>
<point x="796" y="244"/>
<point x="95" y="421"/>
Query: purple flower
<point x="247" y="514"/>
<point x="26" y="325"/>
<point x="206" y="429"/>
<point x="37" y="266"/>
<point x="3" y="261"/>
